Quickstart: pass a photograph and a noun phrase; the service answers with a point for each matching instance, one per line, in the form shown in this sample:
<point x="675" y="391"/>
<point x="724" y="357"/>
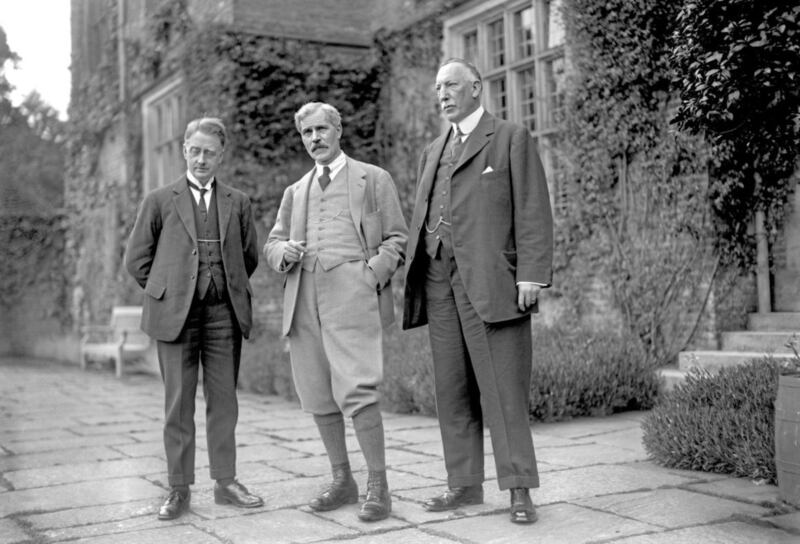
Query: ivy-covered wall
<point x="638" y="226"/>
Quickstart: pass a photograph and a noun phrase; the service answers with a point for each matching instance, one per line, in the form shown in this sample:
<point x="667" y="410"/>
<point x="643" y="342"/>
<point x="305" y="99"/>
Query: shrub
<point x="718" y="422"/>
<point x="578" y="373"/>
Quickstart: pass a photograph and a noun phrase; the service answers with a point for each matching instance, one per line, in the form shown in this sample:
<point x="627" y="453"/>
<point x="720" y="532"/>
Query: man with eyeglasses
<point x="192" y="249"/>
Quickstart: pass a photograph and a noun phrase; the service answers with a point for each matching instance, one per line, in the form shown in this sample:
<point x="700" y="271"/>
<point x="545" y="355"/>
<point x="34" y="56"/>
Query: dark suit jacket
<point x="162" y="256"/>
<point x="502" y="222"/>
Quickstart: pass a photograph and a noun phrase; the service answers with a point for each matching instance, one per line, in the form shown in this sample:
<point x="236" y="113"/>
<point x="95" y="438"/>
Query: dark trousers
<point x="479" y="368"/>
<point x="211" y="338"/>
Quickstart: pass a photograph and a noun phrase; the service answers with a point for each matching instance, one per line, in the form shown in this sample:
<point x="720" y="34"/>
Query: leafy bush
<point x="718" y="422"/>
<point x="577" y="373"/>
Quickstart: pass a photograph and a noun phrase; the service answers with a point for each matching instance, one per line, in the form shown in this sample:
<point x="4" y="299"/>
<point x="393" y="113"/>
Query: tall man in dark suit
<point x="192" y="249"/>
<point x="338" y="238"/>
<point x="480" y="249"/>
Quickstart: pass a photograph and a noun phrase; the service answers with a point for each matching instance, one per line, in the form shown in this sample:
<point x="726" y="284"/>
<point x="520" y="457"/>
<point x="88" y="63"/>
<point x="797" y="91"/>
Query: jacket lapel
<point x="356" y="186"/>
<point x="477" y="139"/>
<point x="182" y="198"/>
<point x="224" y="207"/>
<point x="297" y="230"/>
<point x="429" y="174"/>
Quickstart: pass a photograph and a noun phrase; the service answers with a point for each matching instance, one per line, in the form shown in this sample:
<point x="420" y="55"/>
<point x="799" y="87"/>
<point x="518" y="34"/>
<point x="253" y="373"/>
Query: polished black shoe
<point x="378" y="502"/>
<point x="343" y="490"/>
<point x="455" y="497"/>
<point x="236" y="494"/>
<point x="176" y="504"/>
<point x="522" y="510"/>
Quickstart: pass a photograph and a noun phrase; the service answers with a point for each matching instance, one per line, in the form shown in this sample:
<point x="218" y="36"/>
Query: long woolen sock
<point x="331" y="430"/>
<point x="368" y="424"/>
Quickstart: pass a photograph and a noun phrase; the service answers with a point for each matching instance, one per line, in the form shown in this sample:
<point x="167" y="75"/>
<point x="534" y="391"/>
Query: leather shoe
<point x="378" y="502"/>
<point x="236" y="494"/>
<point x="343" y="490"/>
<point x="522" y="510"/>
<point x="455" y="497"/>
<point x="177" y="502"/>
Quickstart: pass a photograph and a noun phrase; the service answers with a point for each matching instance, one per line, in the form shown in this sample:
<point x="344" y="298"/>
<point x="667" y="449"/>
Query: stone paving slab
<point x="557" y="524"/>
<point x="740" y="489"/>
<point x="10" y="463"/>
<point x="88" y="515"/>
<point x="98" y="462"/>
<point x="12" y="533"/>
<point x="673" y="508"/>
<point x="173" y="534"/>
<point x="83" y="472"/>
<point x="582" y="455"/>
<point x="722" y="533"/>
<point x="283" y="526"/>
<point x="80" y="494"/>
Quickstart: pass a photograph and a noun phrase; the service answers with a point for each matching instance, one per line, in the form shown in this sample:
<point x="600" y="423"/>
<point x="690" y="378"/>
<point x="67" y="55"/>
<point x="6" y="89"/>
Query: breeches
<point x="335" y="341"/>
<point x="479" y="369"/>
<point x="210" y="338"/>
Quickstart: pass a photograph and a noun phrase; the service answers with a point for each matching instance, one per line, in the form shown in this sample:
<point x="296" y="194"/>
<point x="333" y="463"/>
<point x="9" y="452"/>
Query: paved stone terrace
<point x="81" y="460"/>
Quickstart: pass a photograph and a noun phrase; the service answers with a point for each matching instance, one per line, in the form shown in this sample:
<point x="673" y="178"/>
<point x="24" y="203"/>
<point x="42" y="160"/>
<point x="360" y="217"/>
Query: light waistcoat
<point x="331" y="236"/>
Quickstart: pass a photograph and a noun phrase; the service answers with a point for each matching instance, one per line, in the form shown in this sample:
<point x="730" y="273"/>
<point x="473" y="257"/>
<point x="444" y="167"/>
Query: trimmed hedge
<point x="720" y="422"/>
<point x="581" y="373"/>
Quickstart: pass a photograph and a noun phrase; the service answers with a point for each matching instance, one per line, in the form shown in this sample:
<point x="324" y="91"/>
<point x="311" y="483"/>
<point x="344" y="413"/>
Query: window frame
<point x="476" y="16"/>
<point x="157" y="171"/>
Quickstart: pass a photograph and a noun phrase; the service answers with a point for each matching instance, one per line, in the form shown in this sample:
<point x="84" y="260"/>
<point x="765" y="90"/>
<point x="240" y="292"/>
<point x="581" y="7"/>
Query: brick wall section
<point x="330" y="21"/>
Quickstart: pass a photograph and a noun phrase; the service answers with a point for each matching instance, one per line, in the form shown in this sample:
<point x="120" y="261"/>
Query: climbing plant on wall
<point x="632" y="244"/>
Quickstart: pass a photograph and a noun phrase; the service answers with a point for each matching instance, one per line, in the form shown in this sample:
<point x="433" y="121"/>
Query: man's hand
<point x="293" y="251"/>
<point x="527" y="293"/>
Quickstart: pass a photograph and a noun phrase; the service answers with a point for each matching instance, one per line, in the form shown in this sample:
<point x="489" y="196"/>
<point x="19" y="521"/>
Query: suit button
<point x="192" y="276"/>
<point x="194" y="252"/>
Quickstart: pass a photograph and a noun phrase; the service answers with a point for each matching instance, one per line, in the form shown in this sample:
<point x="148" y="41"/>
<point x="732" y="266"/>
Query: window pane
<point x="497" y="44"/>
<point x="523" y="32"/>
<point x="471" y="46"/>
<point x="527" y="94"/>
<point x="555" y="82"/>
<point x="498" y="98"/>
<point x="555" y="23"/>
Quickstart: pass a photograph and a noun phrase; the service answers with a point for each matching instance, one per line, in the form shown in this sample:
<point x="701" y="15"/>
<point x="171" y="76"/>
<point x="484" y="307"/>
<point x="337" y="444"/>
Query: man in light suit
<point x="338" y="238"/>
<point x="480" y="249"/>
<point x="192" y="249"/>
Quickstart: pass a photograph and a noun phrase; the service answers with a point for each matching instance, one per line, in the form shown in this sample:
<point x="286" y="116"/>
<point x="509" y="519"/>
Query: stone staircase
<point x="766" y="334"/>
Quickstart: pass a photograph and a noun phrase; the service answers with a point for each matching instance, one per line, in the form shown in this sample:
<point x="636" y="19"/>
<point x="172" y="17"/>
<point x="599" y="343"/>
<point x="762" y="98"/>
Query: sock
<point x="368" y="424"/>
<point x="331" y="430"/>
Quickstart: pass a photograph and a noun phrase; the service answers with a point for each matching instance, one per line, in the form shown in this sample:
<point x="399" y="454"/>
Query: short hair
<point x="466" y="64"/>
<point x="207" y="125"/>
<point x="331" y="114"/>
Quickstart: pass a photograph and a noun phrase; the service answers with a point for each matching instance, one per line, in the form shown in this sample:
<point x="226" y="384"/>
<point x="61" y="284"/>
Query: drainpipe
<point x="762" y="265"/>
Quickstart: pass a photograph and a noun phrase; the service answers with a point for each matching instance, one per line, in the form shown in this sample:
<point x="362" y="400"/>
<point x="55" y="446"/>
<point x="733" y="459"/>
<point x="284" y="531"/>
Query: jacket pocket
<point x="373" y="231"/>
<point x="155" y="290"/>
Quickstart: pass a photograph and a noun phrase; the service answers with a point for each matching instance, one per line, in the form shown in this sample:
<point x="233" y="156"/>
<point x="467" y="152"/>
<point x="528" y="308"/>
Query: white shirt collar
<point x="468" y="123"/>
<point x="335" y="165"/>
<point x="209" y="185"/>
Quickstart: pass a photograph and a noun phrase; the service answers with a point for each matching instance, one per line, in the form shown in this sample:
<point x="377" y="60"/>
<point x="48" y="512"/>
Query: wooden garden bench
<point x="120" y="341"/>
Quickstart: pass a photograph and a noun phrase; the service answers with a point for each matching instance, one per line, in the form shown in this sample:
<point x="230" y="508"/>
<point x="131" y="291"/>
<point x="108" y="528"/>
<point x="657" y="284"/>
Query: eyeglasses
<point x="195" y="152"/>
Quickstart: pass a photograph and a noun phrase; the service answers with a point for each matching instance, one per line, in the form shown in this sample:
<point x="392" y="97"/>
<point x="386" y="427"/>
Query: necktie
<point x="325" y="178"/>
<point x="457" y="145"/>
<point x="202" y="203"/>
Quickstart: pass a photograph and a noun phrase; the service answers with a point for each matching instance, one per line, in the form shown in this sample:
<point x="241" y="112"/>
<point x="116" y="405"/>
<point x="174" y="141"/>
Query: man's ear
<point x="476" y="89"/>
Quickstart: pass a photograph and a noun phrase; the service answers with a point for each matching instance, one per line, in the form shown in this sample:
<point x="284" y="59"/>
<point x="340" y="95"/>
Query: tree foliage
<point x="738" y="71"/>
<point x="31" y="193"/>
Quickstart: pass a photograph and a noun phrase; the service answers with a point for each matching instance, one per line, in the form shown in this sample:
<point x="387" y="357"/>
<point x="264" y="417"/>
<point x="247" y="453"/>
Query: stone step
<point x="713" y="360"/>
<point x="760" y="341"/>
<point x="774" y="321"/>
